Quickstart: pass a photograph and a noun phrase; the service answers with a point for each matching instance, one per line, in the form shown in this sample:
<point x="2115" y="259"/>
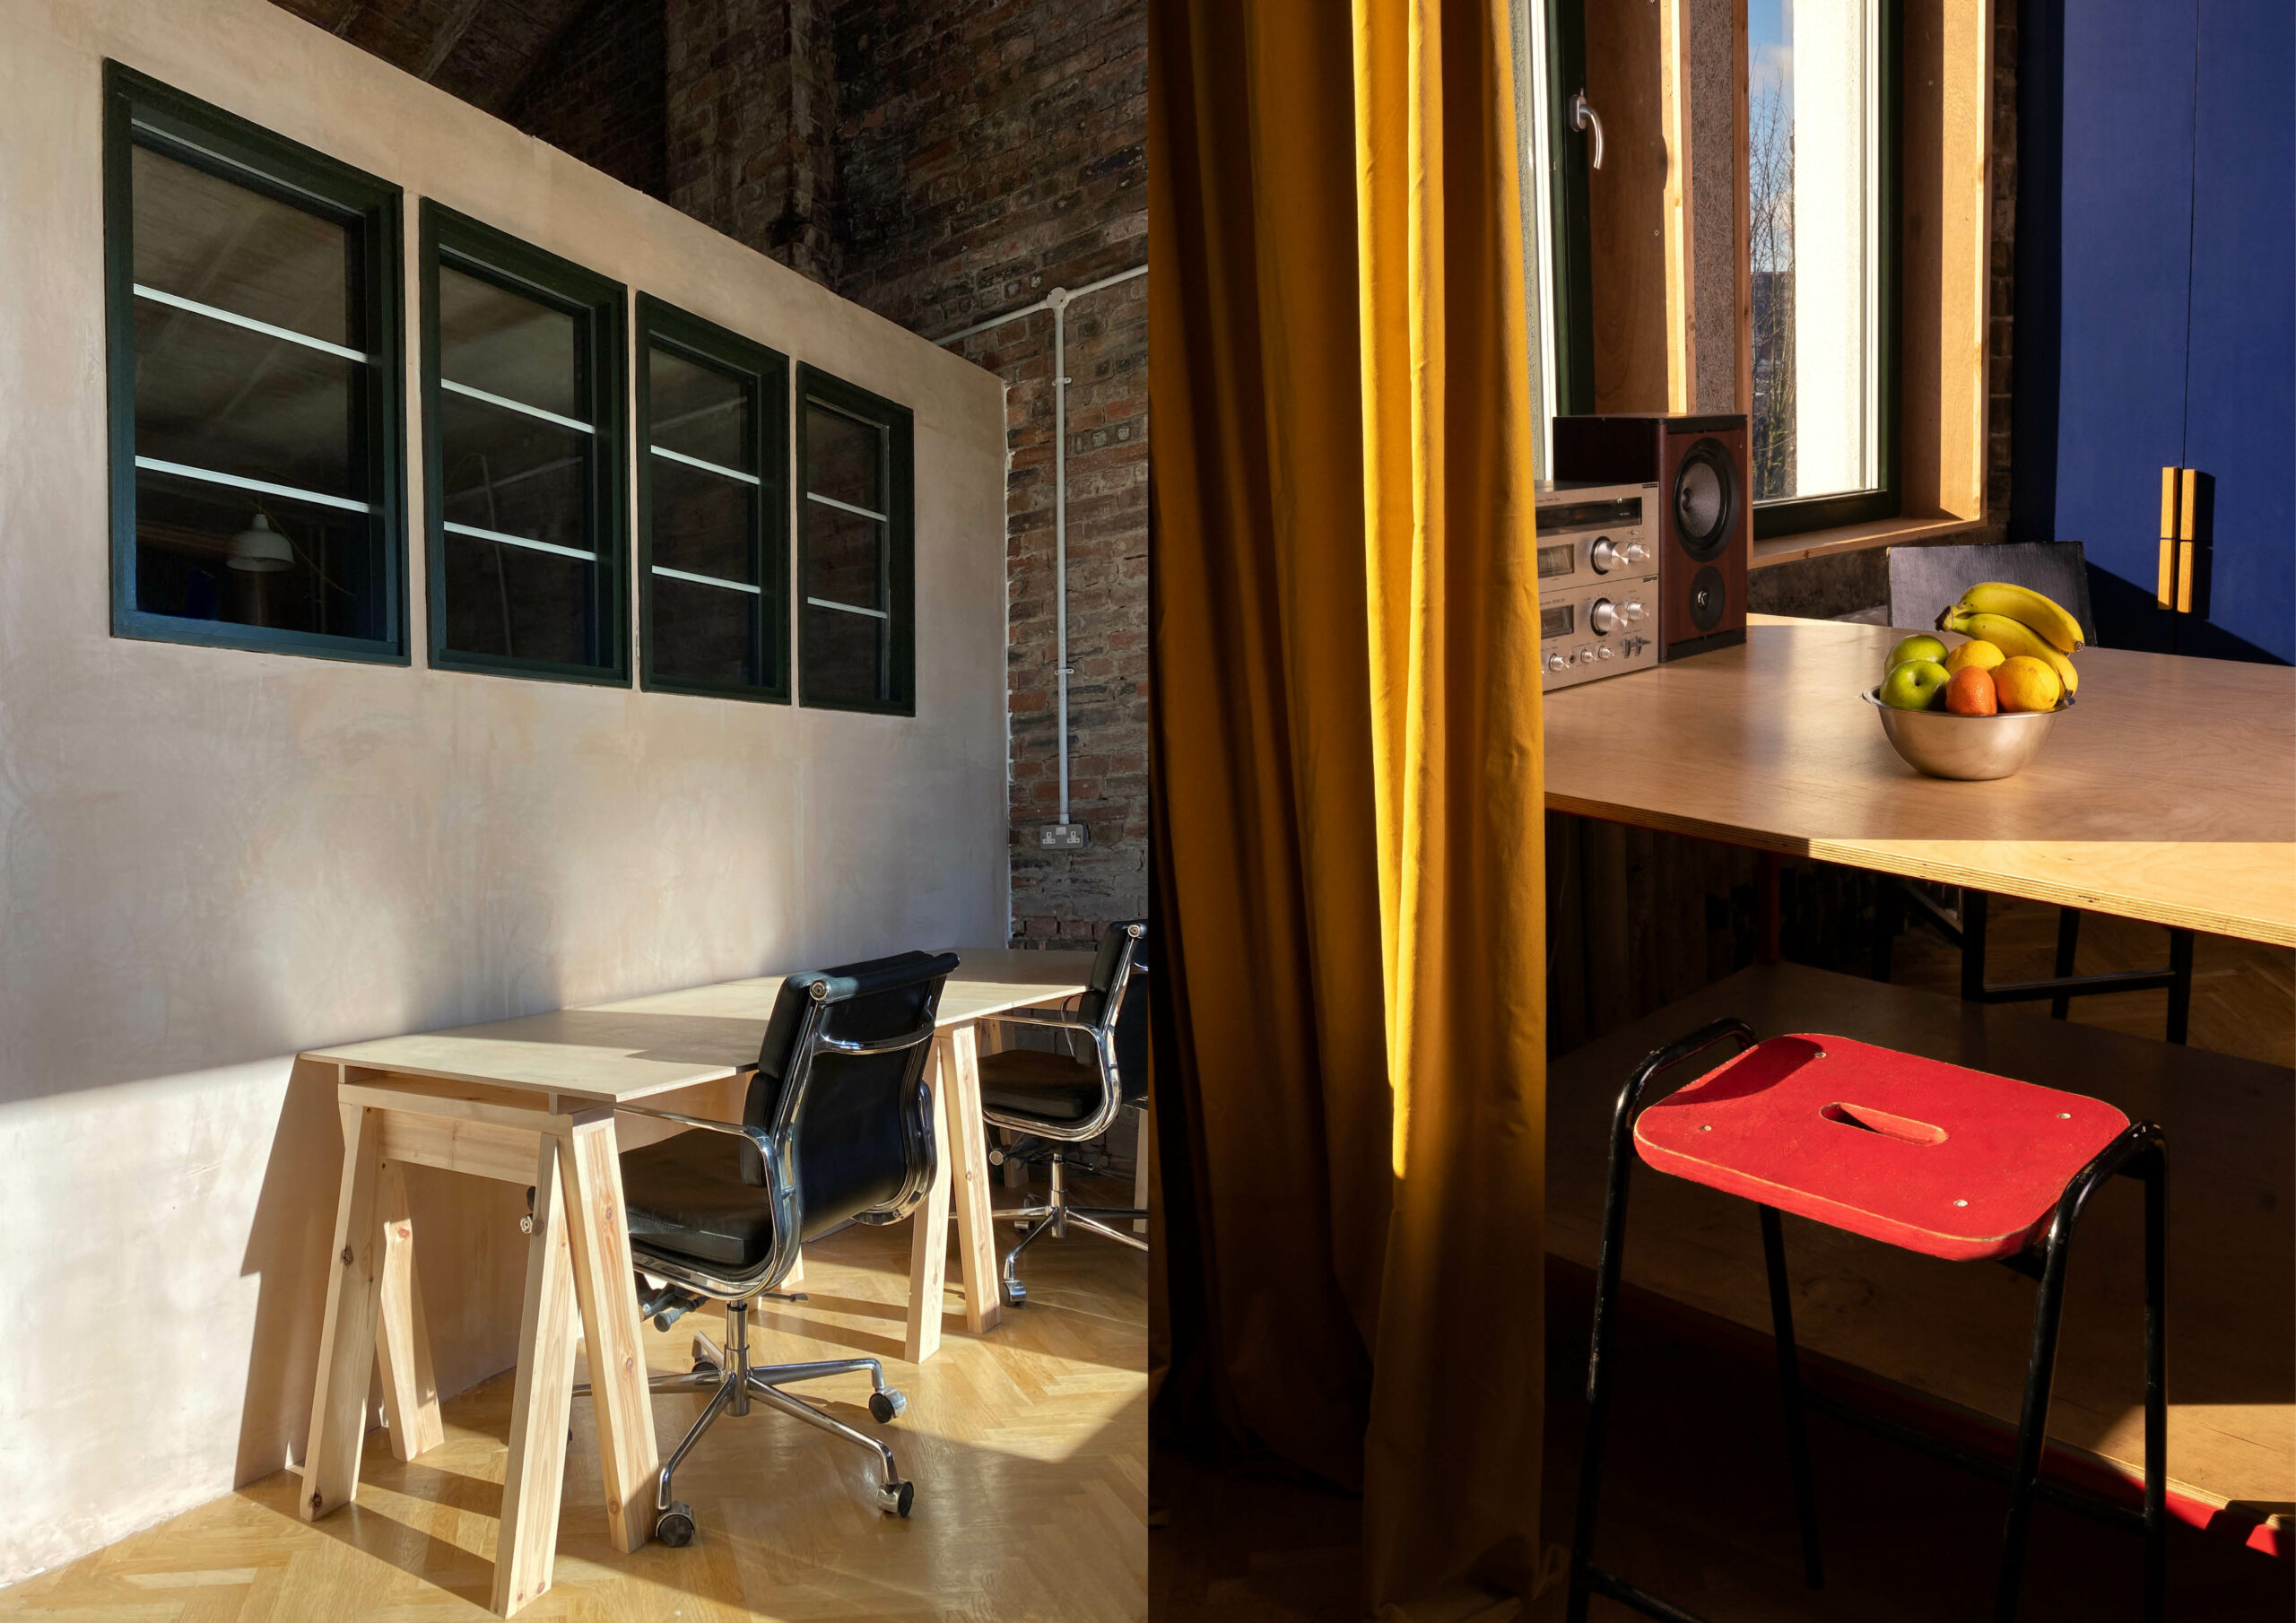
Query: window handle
<point x="1582" y="116"/>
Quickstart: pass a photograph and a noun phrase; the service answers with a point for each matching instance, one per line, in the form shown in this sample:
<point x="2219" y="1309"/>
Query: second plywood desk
<point x="531" y="1102"/>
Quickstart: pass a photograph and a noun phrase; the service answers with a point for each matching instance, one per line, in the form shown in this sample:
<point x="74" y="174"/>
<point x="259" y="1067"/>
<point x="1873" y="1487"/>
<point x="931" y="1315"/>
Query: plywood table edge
<point x="2278" y="930"/>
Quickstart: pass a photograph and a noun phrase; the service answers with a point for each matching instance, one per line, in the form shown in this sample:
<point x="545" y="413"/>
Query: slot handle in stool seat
<point x="2139" y="1150"/>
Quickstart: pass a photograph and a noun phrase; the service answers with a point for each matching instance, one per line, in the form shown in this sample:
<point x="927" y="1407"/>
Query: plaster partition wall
<point x="211" y="859"/>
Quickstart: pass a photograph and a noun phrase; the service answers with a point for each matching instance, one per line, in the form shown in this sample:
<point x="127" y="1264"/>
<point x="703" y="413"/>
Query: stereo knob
<point x="1555" y="662"/>
<point x="1605" y="652"/>
<point x="1632" y="554"/>
<point x="1605" y="556"/>
<point x="1630" y="611"/>
<point x="1603" y="617"/>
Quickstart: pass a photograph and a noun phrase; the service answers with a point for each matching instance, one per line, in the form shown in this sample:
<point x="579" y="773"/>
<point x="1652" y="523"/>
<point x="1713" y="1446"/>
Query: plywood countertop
<point x="2167" y="793"/>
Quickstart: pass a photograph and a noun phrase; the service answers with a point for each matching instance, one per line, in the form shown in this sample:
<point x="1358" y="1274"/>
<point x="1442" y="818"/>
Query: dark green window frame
<point x="1797" y="515"/>
<point x="764" y="374"/>
<point x="141" y="111"/>
<point x="898" y="691"/>
<point x="598" y="306"/>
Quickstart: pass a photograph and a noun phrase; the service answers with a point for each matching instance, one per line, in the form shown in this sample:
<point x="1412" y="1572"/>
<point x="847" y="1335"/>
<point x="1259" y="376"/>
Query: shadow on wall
<point x="2130" y="616"/>
<point x="470" y="1262"/>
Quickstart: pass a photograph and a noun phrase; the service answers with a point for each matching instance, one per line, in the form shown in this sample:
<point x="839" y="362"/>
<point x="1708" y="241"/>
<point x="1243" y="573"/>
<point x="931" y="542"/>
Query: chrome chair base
<point x="734" y="1384"/>
<point x="1054" y="1217"/>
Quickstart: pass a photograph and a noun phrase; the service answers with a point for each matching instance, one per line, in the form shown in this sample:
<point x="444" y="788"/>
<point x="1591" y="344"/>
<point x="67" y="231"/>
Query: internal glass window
<point x="255" y="353"/>
<point x="523" y="376"/>
<point x="1821" y="133"/>
<point x="855" y="578"/>
<point x="712" y="508"/>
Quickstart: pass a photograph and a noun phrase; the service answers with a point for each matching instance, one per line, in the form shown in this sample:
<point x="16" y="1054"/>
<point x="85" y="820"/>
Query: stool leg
<point x="2180" y="987"/>
<point x="1789" y="1384"/>
<point x="2032" y="1432"/>
<point x="2156" y="1387"/>
<point x="2068" y="946"/>
<point x="1590" y="1452"/>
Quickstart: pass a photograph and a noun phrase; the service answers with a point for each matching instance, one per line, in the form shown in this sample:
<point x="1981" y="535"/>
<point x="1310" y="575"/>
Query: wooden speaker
<point x="1705" y="519"/>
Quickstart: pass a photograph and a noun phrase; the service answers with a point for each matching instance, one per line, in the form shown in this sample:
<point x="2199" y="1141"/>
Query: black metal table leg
<point x="2156" y="1385"/>
<point x="1789" y="1383"/>
<point x="2179" y="983"/>
<point x="2068" y="945"/>
<point x="1972" y="944"/>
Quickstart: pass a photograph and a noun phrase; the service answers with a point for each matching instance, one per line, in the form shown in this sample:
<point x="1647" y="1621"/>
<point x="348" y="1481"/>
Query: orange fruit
<point x="1971" y="692"/>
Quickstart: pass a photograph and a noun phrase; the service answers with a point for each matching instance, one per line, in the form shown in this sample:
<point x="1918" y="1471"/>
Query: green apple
<point x="1919" y="647"/>
<point x="1918" y="684"/>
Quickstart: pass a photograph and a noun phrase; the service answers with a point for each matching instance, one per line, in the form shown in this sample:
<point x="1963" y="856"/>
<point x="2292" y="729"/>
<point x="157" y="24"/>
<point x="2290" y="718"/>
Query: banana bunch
<point x="2018" y="620"/>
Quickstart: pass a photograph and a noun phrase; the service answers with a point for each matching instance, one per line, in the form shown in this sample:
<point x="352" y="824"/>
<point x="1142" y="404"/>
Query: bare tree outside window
<point x="1769" y="140"/>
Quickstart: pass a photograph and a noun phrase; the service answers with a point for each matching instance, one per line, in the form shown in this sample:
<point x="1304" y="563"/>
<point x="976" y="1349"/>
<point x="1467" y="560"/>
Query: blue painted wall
<point x="2156" y="304"/>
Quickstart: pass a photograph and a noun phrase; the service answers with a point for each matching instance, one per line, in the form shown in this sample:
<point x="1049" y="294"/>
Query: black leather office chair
<point x="1053" y="1104"/>
<point x="837" y="1127"/>
<point x="1924" y="581"/>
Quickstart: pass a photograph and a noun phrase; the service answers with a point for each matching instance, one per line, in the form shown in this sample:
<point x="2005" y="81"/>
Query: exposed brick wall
<point x="990" y="151"/>
<point x="751" y="99"/>
<point x="598" y="93"/>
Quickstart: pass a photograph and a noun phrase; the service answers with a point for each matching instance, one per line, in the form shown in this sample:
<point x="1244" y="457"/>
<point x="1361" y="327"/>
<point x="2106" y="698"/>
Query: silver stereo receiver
<point x="1598" y="581"/>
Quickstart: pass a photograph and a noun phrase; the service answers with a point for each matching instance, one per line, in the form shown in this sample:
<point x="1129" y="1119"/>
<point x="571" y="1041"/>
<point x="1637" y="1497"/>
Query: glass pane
<point x="702" y="522"/>
<point x="220" y="397"/>
<point x="1813" y="152"/>
<point x="202" y="237"/>
<point x="844" y="556"/>
<point x="205" y="552"/>
<point x="706" y="634"/>
<point x="506" y="471"/>
<point x="844" y="458"/>
<point x="516" y="600"/>
<point x="844" y="657"/>
<point x="700" y="413"/>
<point x="508" y="344"/>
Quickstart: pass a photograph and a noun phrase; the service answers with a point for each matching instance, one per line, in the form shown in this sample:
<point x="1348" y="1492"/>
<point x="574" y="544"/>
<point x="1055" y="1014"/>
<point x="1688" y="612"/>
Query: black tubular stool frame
<point x="2139" y="1151"/>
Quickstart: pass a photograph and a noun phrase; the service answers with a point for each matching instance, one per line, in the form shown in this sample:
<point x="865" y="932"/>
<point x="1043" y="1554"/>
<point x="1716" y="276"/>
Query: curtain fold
<point x="1346" y="805"/>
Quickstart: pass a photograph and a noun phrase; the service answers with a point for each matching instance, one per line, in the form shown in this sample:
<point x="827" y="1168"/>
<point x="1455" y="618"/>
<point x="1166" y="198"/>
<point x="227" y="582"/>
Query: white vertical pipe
<point x="1058" y="302"/>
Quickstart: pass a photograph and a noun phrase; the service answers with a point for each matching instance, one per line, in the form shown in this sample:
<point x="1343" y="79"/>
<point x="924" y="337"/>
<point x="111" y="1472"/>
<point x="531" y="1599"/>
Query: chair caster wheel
<point x="675" y="1526"/>
<point x="886" y="1407"/>
<point x="894" y="1498"/>
<point x="704" y="1367"/>
<point x="1016" y="1295"/>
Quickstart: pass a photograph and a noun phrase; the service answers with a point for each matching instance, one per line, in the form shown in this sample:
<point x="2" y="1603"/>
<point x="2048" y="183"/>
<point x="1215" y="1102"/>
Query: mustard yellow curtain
<point x="1345" y="752"/>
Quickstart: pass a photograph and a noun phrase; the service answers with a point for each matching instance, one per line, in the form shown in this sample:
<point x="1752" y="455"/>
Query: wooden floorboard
<point x="1027" y="1447"/>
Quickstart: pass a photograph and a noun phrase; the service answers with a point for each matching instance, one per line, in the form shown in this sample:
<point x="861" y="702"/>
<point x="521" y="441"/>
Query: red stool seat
<point x="1934" y="1157"/>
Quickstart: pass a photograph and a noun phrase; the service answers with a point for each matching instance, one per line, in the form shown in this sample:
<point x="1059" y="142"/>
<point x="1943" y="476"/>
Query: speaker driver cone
<point x="1709" y="596"/>
<point x="1706" y="499"/>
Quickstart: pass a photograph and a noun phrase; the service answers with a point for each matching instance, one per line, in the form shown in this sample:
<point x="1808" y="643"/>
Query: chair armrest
<point x="1059" y="1019"/>
<point x="756" y="1135"/>
<point x="883" y="1044"/>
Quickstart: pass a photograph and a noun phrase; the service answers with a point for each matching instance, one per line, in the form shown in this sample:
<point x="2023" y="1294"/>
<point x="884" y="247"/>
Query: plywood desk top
<point x="2167" y="793"/>
<point x="633" y="1047"/>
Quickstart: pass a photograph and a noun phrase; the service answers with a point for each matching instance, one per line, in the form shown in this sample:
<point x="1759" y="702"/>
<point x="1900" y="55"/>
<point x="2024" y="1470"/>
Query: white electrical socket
<point x="1062" y="837"/>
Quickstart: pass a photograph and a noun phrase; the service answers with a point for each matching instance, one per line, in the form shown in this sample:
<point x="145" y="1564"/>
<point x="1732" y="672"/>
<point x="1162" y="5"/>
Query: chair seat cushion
<point x="1045" y="1087"/>
<point x="1930" y="1156"/>
<point x="685" y="1197"/>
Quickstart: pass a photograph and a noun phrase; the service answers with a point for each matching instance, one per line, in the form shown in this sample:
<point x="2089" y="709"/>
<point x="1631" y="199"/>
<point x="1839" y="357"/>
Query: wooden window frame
<point x="139" y="110"/>
<point x="599" y="305"/>
<point x="900" y="426"/>
<point x="766" y="373"/>
<point x="1798" y="514"/>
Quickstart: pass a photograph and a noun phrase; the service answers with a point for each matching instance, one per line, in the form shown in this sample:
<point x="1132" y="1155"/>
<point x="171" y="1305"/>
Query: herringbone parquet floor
<point x="1029" y="1447"/>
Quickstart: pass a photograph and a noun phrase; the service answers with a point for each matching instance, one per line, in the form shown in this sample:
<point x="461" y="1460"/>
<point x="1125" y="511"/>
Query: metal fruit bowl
<point x="1973" y="747"/>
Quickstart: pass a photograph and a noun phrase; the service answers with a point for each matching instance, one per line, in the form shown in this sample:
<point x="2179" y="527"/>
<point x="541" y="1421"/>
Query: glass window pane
<point x="508" y="344"/>
<point x="702" y="522"/>
<point x="844" y="657"/>
<point x="844" y="458"/>
<point x="844" y="556"/>
<point x="220" y="397"/>
<point x="506" y="471"/>
<point x="207" y="238"/>
<point x="699" y="412"/>
<point x="207" y="553"/>
<point x="1814" y="156"/>
<point x="515" y="600"/>
<point x="705" y="634"/>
